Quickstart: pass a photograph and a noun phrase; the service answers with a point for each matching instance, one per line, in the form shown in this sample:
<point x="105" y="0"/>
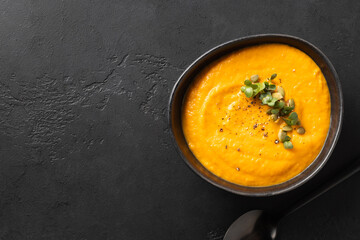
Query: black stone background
<point x="85" y="150"/>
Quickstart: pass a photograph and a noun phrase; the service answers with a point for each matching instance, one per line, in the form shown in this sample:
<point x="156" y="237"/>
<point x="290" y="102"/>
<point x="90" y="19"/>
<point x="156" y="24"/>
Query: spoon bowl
<point x="253" y="225"/>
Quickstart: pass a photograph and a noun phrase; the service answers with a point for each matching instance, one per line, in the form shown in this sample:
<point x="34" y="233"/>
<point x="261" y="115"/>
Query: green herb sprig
<point x="273" y="96"/>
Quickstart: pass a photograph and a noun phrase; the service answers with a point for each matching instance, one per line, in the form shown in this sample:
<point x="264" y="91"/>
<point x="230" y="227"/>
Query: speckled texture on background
<point x="85" y="151"/>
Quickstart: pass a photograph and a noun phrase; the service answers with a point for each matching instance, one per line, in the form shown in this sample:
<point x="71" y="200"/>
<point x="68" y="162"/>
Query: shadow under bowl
<point x="185" y="80"/>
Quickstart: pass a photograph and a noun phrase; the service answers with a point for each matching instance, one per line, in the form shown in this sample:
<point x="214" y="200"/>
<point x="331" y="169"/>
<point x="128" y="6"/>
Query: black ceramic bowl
<point x="181" y="86"/>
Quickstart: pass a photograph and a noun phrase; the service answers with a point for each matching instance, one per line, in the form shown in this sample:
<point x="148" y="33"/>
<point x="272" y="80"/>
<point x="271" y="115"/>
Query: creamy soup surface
<point x="234" y="138"/>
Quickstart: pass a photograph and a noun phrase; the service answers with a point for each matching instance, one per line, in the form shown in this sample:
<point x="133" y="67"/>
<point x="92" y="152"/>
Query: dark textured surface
<point x="85" y="151"/>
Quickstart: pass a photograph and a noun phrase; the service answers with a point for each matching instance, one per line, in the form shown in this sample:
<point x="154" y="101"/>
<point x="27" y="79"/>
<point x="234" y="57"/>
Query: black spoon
<point x="260" y="225"/>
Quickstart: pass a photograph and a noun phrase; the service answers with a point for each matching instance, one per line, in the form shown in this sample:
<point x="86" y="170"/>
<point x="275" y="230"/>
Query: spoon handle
<point x="338" y="178"/>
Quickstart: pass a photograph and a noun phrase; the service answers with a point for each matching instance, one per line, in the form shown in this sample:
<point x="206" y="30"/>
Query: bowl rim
<point x="253" y="37"/>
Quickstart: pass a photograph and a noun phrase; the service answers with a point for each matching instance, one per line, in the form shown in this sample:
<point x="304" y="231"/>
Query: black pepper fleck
<point x="265" y="134"/>
<point x="237" y="169"/>
<point x="221" y="130"/>
<point x="276" y="141"/>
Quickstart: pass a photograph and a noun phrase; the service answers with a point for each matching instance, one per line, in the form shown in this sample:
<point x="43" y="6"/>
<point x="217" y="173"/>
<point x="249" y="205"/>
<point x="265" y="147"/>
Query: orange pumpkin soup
<point x="234" y="138"/>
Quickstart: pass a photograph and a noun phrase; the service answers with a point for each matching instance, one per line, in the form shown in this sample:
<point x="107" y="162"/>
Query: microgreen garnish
<point x="288" y="145"/>
<point x="279" y="104"/>
<point x="272" y="87"/>
<point x="273" y="96"/>
<point x="247" y="82"/>
<point x="274" y="111"/>
<point x="293" y="119"/>
<point x="249" y="91"/>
